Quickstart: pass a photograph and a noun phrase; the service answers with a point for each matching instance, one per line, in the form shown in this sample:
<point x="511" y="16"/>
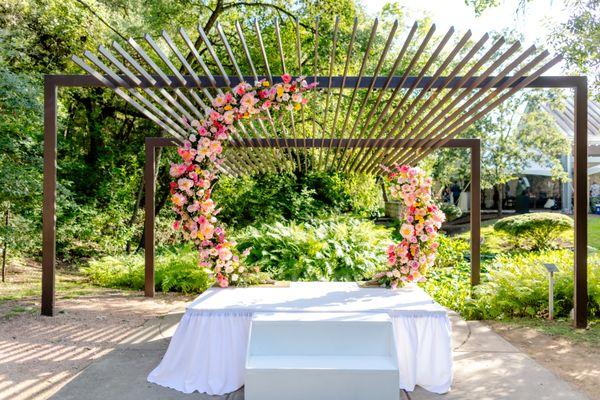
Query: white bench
<point x="313" y="356"/>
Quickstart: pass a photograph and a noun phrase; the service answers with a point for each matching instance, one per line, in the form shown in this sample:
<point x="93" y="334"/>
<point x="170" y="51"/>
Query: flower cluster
<point x="421" y="220"/>
<point x="201" y="155"/>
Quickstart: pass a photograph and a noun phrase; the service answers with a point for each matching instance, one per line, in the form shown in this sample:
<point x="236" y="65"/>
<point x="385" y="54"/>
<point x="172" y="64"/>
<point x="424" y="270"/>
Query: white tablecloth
<point x="208" y="350"/>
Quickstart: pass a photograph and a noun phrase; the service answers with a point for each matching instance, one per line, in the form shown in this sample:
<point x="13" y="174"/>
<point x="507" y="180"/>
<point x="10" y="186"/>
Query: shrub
<point x="275" y="197"/>
<point x="449" y="281"/>
<point x="538" y="229"/>
<point x="512" y="285"/>
<point x="340" y="249"/>
<point x="177" y="270"/>
<point x="452" y="212"/>
<point x="517" y="286"/>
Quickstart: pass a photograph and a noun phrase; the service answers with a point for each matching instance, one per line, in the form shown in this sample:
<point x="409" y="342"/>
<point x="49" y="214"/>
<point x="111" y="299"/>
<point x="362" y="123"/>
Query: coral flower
<point x="178" y="199"/>
<point x="407" y="230"/>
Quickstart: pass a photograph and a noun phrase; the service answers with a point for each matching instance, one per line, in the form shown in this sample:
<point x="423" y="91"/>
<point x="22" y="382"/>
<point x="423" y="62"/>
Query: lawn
<point x="494" y="242"/>
<point x="594" y="231"/>
<point x="561" y="328"/>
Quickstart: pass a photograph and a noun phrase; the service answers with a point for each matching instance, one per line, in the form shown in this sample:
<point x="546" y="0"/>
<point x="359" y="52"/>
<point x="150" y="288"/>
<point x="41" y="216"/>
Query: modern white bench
<point x="302" y="356"/>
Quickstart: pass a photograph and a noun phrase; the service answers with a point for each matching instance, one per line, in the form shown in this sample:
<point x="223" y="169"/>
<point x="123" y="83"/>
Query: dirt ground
<point x="38" y="355"/>
<point x="576" y="362"/>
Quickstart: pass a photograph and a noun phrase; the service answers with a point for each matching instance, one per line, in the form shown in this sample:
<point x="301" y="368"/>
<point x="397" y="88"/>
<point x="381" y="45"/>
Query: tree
<point x="514" y="136"/>
<point x="576" y="39"/>
<point x="20" y="161"/>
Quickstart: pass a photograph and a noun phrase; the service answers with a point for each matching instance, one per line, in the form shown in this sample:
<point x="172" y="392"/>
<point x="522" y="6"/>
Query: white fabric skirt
<point x="208" y="350"/>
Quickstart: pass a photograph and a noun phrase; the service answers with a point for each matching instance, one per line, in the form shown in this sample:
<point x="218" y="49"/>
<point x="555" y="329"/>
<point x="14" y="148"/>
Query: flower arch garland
<point x="420" y="223"/>
<point x="201" y="155"/>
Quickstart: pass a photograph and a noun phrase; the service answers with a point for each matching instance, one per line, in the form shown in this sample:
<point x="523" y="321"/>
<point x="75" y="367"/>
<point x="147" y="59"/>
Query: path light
<point x="552" y="268"/>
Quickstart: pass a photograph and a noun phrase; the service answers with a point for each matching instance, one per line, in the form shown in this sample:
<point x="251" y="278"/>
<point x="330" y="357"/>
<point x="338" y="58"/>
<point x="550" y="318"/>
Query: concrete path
<point x="486" y="367"/>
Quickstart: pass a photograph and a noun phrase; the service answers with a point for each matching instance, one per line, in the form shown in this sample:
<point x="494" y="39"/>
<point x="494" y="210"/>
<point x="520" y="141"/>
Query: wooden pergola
<point x="392" y="101"/>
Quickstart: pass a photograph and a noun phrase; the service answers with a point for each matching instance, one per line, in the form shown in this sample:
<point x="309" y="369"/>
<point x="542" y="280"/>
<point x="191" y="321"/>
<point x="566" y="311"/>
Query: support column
<point x="149" y="178"/>
<point x="566" y="191"/>
<point x="581" y="203"/>
<point x="475" y="213"/>
<point x="49" y="201"/>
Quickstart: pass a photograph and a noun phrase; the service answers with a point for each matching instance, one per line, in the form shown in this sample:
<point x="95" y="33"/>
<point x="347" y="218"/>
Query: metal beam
<point x="323" y="81"/>
<point x="49" y="202"/>
<point x="580" y="284"/>
<point x="149" y="179"/>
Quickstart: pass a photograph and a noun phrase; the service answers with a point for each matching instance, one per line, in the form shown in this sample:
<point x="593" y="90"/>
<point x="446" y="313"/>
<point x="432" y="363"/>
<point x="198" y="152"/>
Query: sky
<point x="534" y="22"/>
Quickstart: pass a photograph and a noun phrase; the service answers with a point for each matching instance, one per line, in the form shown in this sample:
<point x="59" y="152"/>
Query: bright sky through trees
<point x="534" y="21"/>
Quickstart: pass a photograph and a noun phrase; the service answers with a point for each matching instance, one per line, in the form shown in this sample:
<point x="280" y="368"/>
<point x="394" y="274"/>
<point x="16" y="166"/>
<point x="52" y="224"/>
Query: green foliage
<point x="176" y="271"/>
<point x="452" y="212"/>
<point x="517" y="286"/>
<point x="513" y="284"/>
<point x="340" y="249"/>
<point x="272" y="197"/>
<point x="448" y="282"/>
<point x="537" y="230"/>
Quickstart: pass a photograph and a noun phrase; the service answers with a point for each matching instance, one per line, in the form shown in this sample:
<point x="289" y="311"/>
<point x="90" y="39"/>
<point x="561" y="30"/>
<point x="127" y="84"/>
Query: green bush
<point x="517" y="286"/>
<point x="274" y="197"/>
<point x="537" y="230"/>
<point x="449" y="280"/>
<point x="339" y="249"/>
<point x="452" y="212"/>
<point x="513" y="284"/>
<point x="177" y="270"/>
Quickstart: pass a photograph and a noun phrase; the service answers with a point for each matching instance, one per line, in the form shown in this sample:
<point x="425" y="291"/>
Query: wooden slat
<point x="353" y="96"/>
<point x="337" y="107"/>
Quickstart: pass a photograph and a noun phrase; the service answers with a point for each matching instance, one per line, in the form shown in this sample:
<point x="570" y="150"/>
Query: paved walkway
<point x="486" y="367"/>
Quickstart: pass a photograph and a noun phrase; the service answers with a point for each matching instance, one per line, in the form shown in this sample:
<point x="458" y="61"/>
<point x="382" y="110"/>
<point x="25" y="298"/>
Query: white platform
<point x="321" y="356"/>
<point x="208" y="350"/>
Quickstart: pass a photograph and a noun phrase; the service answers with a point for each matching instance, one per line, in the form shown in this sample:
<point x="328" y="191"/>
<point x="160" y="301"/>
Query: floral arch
<point x="201" y="156"/>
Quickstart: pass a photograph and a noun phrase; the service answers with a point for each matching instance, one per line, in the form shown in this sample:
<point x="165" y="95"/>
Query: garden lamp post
<point x="552" y="268"/>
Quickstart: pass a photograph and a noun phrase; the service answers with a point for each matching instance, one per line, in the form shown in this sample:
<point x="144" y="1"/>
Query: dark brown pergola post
<point x="149" y="180"/>
<point x="49" y="202"/>
<point x="53" y="82"/>
<point x="475" y="212"/>
<point x="150" y="176"/>
<point x="580" y="285"/>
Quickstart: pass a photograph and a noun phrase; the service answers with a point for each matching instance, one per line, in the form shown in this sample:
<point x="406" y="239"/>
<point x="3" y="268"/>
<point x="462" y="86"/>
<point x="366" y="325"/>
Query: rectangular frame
<point x="578" y="83"/>
<point x="152" y="143"/>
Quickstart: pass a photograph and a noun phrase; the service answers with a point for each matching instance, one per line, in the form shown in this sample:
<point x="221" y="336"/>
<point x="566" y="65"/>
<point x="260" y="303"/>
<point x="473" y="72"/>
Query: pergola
<point x="378" y="101"/>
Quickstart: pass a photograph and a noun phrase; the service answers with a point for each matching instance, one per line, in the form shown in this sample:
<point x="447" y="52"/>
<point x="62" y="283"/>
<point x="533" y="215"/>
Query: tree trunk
<point x="4" y="247"/>
<point x="500" y="198"/>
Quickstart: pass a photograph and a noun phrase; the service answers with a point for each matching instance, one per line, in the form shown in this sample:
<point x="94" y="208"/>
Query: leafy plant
<point x="176" y="271"/>
<point x="452" y="212"/>
<point x="340" y="249"/>
<point x="517" y="286"/>
<point x="537" y="229"/>
<point x="267" y="198"/>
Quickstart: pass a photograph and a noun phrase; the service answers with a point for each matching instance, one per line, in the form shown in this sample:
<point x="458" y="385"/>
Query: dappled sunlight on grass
<point x="496" y="242"/>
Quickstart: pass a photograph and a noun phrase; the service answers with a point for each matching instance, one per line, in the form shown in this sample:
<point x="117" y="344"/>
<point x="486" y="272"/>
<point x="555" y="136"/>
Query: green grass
<point x="18" y="310"/>
<point x="496" y="242"/>
<point x="560" y="328"/>
<point x="594" y="231"/>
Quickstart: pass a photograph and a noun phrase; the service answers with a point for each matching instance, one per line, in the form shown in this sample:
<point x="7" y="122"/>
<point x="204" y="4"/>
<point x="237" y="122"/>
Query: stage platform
<point x="208" y="350"/>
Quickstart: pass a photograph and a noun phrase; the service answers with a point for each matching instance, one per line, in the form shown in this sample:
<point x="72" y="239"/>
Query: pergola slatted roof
<point x="420" y="89"/>
<point x="565" y="116"/>
<point x="379" y="100"/>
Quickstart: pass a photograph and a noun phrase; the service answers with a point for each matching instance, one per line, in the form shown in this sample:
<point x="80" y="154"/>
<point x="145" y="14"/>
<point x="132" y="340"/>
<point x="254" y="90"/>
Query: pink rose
<point x="286" y="78"/>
